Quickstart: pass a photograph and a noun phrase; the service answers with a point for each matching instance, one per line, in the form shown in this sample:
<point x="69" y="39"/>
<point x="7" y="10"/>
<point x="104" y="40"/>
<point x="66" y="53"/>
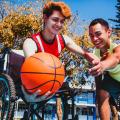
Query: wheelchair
<point x="10" y="89"/>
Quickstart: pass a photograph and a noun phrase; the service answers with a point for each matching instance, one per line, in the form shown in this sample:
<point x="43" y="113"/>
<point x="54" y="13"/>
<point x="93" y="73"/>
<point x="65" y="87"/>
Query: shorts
<point x="111" y="85"/>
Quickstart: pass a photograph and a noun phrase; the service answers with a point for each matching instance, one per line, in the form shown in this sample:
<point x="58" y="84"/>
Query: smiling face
<point x="100" y="35"/>
<point x="54" y="23"/>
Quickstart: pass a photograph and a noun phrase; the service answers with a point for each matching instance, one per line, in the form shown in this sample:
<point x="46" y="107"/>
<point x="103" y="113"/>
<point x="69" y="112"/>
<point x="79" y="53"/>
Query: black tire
<point x="7" y="97"/>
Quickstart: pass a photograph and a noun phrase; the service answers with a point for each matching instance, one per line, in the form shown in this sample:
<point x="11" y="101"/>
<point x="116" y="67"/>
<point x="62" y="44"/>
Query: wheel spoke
<point x="4" y="102"/>
<point x="6" y="106"/>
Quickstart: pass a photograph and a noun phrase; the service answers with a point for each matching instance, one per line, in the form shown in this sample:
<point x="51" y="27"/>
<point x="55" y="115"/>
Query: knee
<point x="103" y="97"/>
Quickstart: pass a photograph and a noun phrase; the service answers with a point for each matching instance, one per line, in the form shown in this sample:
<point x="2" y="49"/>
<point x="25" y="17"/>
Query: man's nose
<point x="95" y="38"/>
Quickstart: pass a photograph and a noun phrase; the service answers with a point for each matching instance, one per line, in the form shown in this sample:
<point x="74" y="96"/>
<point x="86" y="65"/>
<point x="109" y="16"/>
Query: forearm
<point x="76" y="49"/>
<point x="81" y="52"/>
<point x="110" y="62"/>
<point x="73" y="47"/>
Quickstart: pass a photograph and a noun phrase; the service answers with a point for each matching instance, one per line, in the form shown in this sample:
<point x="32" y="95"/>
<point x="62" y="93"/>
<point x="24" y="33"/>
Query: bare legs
<point x="59" y="108"/>
<point x="103" y="105"/>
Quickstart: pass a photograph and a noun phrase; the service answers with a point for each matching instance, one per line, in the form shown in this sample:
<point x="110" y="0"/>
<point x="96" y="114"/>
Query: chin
<point x="100" y="46"/>
<point x="55" y="33"/>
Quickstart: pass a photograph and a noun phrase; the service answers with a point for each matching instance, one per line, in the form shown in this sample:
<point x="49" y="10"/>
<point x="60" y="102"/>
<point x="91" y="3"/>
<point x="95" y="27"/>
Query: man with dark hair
<point x="107" y="84"/>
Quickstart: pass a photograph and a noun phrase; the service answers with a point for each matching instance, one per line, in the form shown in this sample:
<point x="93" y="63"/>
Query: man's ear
<point x="110" y="31"/>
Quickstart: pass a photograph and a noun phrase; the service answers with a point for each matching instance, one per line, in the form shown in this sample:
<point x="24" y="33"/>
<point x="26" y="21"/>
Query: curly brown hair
<point x="60" y="6"/>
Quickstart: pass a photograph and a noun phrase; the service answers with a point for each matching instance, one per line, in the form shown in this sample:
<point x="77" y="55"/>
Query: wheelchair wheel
<point x="7" y="97"/>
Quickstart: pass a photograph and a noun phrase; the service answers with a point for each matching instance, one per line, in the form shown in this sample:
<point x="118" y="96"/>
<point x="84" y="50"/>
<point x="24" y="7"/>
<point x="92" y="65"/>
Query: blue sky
<point x="90" y="9"/>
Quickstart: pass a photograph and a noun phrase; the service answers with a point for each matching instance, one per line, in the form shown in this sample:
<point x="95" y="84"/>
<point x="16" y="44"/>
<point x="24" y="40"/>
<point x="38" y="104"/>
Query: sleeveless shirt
<point x="114" y="72"/>
<point x="54" y="48"/>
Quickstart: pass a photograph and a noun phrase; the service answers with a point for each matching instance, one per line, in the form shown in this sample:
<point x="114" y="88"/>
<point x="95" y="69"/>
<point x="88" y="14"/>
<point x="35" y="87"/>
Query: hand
<point x="97" y="68"/>
<point x="33" y="97"/>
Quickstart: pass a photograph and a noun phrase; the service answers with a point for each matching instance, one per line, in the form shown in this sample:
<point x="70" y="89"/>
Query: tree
<point x="117" y="20"/>
<point x="3" y="10"/>
<point x="18" y="23"/>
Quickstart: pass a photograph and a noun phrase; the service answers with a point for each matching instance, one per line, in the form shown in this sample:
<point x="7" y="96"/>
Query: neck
<point x="106" y="47"/>
<point x="47" y="36"/>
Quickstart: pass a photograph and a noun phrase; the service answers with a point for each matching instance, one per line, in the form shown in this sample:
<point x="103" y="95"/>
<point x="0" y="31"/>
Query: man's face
<point x="54" y="22"/>
<point x="99" y="35"/>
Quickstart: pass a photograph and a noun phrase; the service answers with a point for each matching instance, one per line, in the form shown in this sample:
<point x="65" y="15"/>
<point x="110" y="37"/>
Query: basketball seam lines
<point x="43" y="84"/>
<point x="41" y="73"/>
<point x="54" y="73"/>
<point x="45" y="63"/>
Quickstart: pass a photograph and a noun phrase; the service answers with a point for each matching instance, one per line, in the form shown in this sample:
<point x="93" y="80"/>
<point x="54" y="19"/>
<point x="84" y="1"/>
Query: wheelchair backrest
<point x="15" y="61"/>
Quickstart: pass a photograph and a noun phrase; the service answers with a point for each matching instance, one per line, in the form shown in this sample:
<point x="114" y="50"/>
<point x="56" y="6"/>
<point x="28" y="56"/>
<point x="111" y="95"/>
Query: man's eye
<point x="91" y="36"/>
<point x="98" y="34"/>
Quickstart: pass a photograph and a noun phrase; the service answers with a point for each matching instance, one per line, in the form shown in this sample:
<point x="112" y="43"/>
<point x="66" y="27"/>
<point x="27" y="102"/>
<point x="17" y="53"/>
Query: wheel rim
<point x="4" y="99"/>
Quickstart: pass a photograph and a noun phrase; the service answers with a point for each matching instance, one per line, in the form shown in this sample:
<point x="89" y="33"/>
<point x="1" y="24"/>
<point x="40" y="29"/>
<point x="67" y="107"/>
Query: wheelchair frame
<point x="9" y="90"/>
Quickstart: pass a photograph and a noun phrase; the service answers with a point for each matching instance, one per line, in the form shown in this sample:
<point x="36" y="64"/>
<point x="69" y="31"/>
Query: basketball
<point x="42" y="71"/>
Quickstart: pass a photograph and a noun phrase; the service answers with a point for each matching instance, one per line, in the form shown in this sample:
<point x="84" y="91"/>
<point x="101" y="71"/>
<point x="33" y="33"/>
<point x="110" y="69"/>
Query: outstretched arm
<point x="73" y="47"/>
<point x="108" y="61"/>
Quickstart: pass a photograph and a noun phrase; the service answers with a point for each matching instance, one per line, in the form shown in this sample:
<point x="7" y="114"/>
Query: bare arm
<point x="73" y="47"/>
<point x="59" y="108"/>
<point x="108" y="61"/>
<point x="70" y="44"/>
<point x="29" y="47"/>
<point x="112" y="60"/>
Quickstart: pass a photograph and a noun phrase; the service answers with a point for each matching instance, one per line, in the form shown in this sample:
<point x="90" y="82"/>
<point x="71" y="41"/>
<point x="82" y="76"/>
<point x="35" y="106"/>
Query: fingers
<point x="47" y="94"/>
<point x="34" y="97"/>
<point x="97" y="69"/>
<point x="44" y="97"/>
<point x="95" y="72"/>
<point x="26" y="95"/>
<point x="37" y="93"/>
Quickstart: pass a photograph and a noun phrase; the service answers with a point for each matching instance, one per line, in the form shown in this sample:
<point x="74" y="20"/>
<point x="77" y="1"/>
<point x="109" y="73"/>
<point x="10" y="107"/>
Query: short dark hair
<point x="100" y="21"/>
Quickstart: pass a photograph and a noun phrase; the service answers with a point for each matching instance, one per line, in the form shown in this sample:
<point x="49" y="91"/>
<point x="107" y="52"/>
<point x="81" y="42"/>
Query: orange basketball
<point x="42" y="71"/>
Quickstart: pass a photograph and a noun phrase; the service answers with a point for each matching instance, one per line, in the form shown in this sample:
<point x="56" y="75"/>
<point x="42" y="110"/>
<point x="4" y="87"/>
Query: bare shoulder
<point x="29" y="41"/>
<point x="29" y="47"/>
<point x="116" y="52"/>
<point x="117" y="49"/>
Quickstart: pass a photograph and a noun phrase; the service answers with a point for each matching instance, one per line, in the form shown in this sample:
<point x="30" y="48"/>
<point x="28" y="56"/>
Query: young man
<point x="49" y="40"/>
<point x="107" y="84"/>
